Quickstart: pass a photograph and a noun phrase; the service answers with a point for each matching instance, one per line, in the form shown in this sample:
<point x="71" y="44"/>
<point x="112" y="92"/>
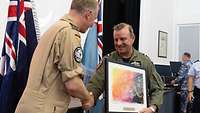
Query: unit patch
<point x="78" y="54"/>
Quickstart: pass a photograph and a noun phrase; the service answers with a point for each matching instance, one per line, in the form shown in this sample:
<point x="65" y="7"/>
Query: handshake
<point x="88" y="102"/>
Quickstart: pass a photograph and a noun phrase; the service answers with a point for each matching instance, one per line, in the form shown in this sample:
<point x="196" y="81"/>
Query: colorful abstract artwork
<point x="124" y="87"/>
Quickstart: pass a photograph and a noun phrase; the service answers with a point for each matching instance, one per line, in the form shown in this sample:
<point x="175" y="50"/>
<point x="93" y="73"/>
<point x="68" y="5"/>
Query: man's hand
<point x="88" y="103"/>
<point x="190" y="96"/>
<point x="190" y="88"/>
<point x="150" y="109"/>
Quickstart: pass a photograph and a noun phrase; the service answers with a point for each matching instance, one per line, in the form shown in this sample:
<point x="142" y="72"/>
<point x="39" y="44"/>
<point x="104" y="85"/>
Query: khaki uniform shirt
<point x="56" y="59"/>
<point x="155" y="85"/>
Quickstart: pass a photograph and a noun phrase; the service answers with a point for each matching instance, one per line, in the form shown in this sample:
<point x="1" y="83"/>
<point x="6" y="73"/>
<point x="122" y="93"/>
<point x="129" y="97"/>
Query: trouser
<point x="183" y="101"/>
<point x="196" y="102"/>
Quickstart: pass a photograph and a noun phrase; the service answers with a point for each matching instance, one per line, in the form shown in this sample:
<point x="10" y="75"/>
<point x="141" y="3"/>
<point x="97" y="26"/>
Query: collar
<point x="69" y="19"/>
<point x="187" y="62"/>
<point x="135" y="54"/>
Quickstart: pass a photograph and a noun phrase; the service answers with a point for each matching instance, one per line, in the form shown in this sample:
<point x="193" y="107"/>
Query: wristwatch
<point x="90" y="93"/>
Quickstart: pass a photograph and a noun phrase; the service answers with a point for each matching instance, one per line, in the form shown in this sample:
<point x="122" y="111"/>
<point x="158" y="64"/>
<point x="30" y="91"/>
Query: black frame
<point x="160" y="33"/>
<point x="107" y="61"/>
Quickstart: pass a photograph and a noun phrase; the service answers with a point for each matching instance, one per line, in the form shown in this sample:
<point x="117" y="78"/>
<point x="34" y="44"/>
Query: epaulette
<point x="149" y="59"/>
<point x="77" y="35"/>
<point x="99" y="65"/>
<point x="75" y="28"/>
<point x="196" y="61"/>
<point x="101" y="61"/>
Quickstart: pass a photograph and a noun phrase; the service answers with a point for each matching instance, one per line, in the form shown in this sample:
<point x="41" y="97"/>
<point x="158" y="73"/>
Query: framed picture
<point x="125" y="88"/>
<point x="162" y="44"/>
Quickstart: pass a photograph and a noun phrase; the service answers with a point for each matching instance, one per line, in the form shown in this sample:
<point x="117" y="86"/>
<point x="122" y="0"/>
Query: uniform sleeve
<point x="181" y="74"/>
<point x="191" y="71"/>
<point x="97" y="83"/>
<point x="156" y="87"/>
<point x="65" y="46"/>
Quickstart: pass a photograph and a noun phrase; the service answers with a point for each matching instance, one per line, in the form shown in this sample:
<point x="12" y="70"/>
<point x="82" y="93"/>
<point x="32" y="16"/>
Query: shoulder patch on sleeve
<point x="73" y="26"/>
<point x="78" y="54"/>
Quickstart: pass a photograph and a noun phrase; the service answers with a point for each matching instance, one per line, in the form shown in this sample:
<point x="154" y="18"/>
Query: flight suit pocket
<point x="59" y="109"/>
<point x="31" y="102"/>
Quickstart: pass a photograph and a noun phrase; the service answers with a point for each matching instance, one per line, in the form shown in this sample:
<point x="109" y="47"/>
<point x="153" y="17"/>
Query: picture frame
<point x="125" y="88"/>
<point x="162" y="44"/>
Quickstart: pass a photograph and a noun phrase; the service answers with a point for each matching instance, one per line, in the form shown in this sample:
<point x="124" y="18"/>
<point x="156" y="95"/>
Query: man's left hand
<point x="88" y="103"/>
<point x="147" y="110"/>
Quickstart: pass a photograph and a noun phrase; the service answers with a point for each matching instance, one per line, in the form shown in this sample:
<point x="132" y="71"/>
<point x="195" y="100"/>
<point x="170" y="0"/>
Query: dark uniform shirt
<point x="155" y="84"/>
<point x="183" y="75"/>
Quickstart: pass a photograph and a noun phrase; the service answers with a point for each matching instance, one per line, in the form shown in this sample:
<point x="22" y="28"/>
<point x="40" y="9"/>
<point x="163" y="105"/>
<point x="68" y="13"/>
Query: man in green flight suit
<point x="123" y="40"/>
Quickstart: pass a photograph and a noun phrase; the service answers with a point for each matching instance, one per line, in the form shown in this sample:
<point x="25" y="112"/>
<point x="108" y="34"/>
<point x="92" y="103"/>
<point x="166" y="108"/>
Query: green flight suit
<point x="155" y="85"/>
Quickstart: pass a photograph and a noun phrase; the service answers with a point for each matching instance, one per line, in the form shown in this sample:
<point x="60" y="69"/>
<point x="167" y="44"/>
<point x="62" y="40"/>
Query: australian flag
<point x="19" y="44"/>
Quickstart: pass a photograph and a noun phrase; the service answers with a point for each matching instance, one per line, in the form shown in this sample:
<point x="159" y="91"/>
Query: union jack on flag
<point x="100" y="29"/>
<point x="19" y="44"/>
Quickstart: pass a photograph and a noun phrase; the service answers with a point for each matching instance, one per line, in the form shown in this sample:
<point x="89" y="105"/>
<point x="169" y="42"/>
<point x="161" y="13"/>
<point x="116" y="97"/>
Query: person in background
<point x="55" y="71"/>
<point x="194" y="80"/>
<point x="123" y="40"/>
<point x="182" y="80"/>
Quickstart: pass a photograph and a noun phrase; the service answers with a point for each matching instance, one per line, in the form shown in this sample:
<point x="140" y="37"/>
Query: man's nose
<point x="119" y="42"/>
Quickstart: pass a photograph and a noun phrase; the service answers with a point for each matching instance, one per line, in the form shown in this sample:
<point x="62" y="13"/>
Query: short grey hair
<point x="120" y="26"/>
<point x="82" y="5"/>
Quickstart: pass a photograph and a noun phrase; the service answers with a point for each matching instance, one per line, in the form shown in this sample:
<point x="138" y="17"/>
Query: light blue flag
<point x="90" y="61"/>
<point x="90" y="54"/>
<point x="93" y="53"/>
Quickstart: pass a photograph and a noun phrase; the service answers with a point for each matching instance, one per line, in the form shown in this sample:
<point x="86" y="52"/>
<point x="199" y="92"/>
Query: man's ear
<point x="87" y="14"/>
<point x="133" y="39"/>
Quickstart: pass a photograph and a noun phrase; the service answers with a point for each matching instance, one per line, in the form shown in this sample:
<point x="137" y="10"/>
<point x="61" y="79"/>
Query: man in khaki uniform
<point x="55" y="71"/>
<point x="123" y="40"/>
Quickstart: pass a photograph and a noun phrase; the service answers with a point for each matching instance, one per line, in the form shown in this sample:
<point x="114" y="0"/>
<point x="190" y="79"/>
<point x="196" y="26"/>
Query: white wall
<point x="47" y="14"/>
<point x="51" y="12"/>
<point x="187" y="11"/>
<point x="189" y="38"/>
<point x="187" y="14"/>
<point x="3" y="17"/>
<point x="165" y="15"/>
<point x="156" y="15"/>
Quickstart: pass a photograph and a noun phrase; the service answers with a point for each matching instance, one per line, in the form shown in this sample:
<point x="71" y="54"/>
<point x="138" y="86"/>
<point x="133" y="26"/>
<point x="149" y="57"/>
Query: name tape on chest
<point x="136" y="63"/>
